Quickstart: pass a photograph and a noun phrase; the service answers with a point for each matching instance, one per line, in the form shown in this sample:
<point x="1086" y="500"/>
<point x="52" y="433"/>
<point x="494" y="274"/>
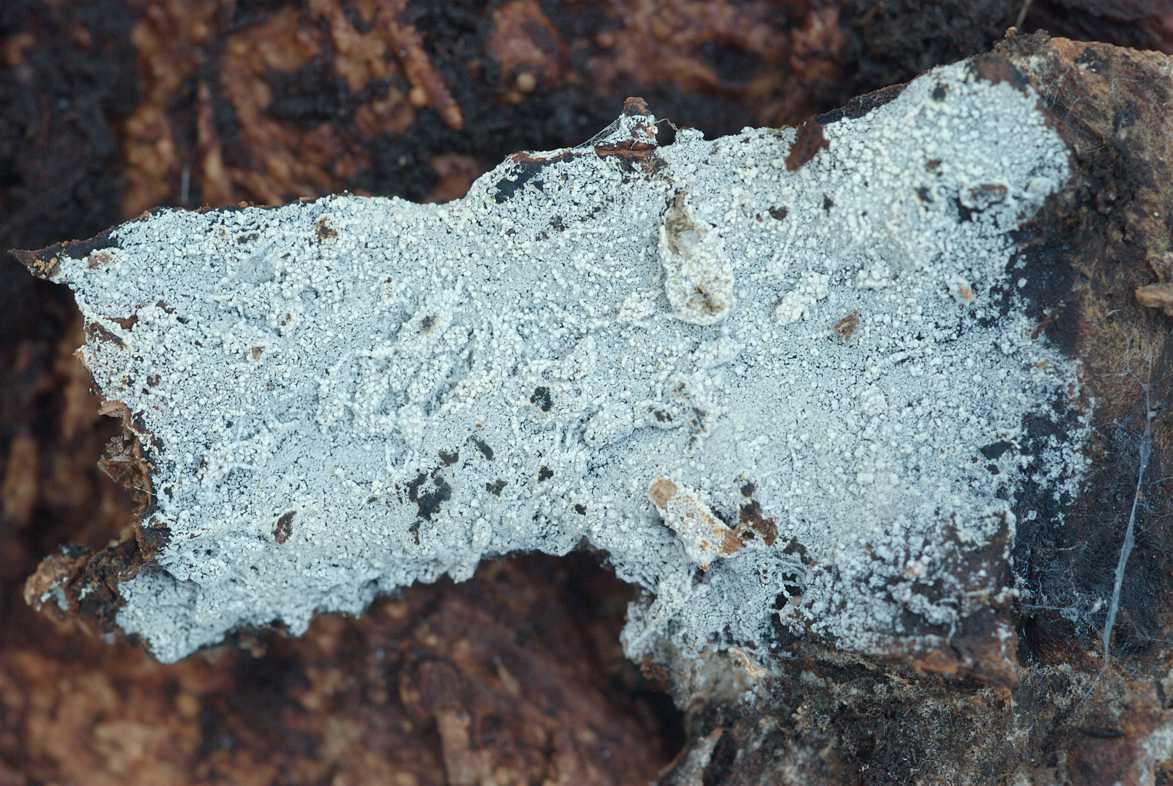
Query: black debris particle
<point x="827" y="203"/>
<point x="495" y="487"/>
<point x="580" y="509"/>
<point x="429" y="501"/>
<point x="542" y="399"/>
<point x="545" y="473"/>
<point x="939" y="92"/>
<point x="779" y="213"/>
<point x="449" y="459"/>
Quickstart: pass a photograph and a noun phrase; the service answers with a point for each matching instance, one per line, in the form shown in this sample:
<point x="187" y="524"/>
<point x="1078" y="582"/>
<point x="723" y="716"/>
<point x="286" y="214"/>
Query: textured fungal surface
<point x="632" y="347"/>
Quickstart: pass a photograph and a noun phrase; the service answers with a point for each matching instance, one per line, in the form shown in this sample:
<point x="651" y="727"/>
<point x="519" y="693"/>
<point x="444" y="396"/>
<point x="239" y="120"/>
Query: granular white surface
<point x="425" y="386"/>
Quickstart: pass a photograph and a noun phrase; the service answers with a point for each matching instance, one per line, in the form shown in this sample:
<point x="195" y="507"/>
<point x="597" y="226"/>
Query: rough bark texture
<point x="112" y="107"/>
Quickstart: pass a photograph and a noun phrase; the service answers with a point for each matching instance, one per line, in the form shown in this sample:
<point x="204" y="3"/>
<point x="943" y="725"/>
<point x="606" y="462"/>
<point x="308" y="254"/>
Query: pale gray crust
<point x="347" y="396"/>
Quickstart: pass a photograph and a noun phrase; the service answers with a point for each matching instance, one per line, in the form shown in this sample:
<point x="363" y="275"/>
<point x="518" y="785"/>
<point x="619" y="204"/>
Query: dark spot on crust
<point x="449" y="459"/>
<point x="792" y="589"/>
<point x="796" y="548"/>
<point x="846" y="326"/>
<point x="96" y="332"/>
<point x="542" y="399"/>
<point x="580" y="509"/>
<point x="483" y="447"/>
<point x="100" y="258"/>
<point x="964" y="213"/>
<point x="750" y="516"/>
<point x="939" y="92"/>
<point x="810" y="140"/>
<point x="324" y="230"/>
<point x="284" y="527"/>
<point x="747" y="489"/>
<point x="413" y="486"/>
<point x="525" y="172"/>
<point x="428" y="502"/>
<point x="995" y="449"/>
<point x="545" y="473"/>
<point x="827" y="203"/>
<point x="779" y="213"/>
<point x="987" y="194"/>
<point x="495" y="487"/>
